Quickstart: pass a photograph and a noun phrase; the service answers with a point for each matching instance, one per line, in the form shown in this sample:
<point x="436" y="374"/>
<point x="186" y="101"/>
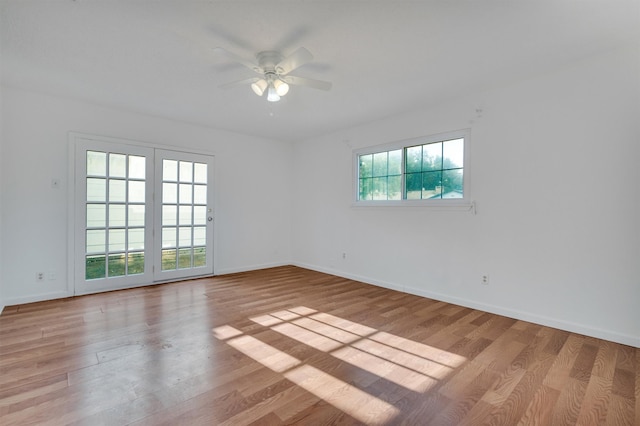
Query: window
<point x="428" y="169"/>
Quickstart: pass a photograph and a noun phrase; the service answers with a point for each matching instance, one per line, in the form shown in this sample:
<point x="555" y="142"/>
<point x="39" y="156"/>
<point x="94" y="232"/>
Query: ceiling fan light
<point x="259" y="87"/>
<point x="281" y="87"/>
<point x="272" y="94"/>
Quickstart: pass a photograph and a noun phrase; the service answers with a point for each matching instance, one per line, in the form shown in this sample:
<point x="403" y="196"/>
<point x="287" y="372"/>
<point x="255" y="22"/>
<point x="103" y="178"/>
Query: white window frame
<point x="450" y="203"/>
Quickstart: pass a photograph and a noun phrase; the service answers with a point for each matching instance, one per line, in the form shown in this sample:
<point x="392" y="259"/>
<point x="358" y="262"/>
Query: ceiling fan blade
<point x="247" y="63"/>
<point x="243" y="82"/>
<point x="309" y="82"/>
<point x="293" y="61"/>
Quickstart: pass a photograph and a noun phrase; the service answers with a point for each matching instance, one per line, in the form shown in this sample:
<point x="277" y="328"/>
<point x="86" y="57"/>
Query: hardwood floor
<point x="292" y="346"/>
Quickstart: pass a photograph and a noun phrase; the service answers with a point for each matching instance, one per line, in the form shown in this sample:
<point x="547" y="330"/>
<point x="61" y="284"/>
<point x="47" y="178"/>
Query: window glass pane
<point x="136" y="215"/>
<point x="453" y="153"/>
<point x="395" y="162"/>
<point x="184" y="236"/>
<point x="452" y="183"/>
<point x="395" y="187"/>
<point x="96" y="163"/>
<point x="199" y="215"/>
<point x="169" y="193"/>
<point x="366" y="189"/>
<point x="185" y="193"/>
<point x="432" y="157"/>
<point x="199" y="194"/>
<point x="168" y="259"/>
<point x="96" y="240"/>
<point x="199" y="236"/>
<point x="137" y="167"/>
<point x="96" y="189"/>
<point x="95" y="267"/>
<point x="170" y="170"/>
<point x="414" y="186"/>
<point x="169" y="237"/>
<point x="366" y="162"/>
<point x="199" y="256"/>
<point x="136" y="239"/>
<point x="200" y="173"/>
<point x="380" y="164"/>
<point x="379" y="188"/>
<point x="96" y="215"/>
<point x="117" y="165"/>
<point x="431" y="184"/>
<point x="116" y="265"/>
<point x="186" y="171"/>
<point x="413" y="161"/>
<point x="117" y="190"/>
<point x="135" y="263"/>
<point x="184" y="258"/>
<point x="117" y="215"/>
<point x="116" y="239"/>
<point x="136" y="192"/>
<point x="184" y="215"/>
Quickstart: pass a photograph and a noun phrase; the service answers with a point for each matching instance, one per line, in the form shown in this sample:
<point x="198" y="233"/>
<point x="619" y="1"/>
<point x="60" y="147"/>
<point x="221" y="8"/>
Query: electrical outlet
<point x="344" y="256"/>
<point x="485" y="279"/>
<point x="39" y="276"/>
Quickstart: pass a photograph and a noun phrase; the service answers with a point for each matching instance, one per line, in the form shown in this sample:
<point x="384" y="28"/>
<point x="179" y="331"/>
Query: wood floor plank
<point x="292" y="346"/>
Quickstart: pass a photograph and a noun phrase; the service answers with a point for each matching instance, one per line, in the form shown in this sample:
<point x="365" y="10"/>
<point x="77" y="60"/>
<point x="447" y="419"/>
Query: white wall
<point x="2" y="303"/>
<point x="554" y="171"/>
<point x="252" y="219"/>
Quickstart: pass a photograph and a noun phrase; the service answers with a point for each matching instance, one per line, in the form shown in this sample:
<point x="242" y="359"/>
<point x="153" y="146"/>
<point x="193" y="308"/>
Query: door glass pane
<point x="169" y="170"/>
<point x="117" y="165"/>
<point x="96" y="215"/>
<point x="199" y="194"/>
<point x="169" y="215"/>
<point x="169" y="193"/>
<point x="169" y="237"/>
<point x="186" y="171"/>
<point x="117" y="190"/>
<point x="136" y="191"/>
<point x="95" y="267"/>
<point x="199" y="256"/>
<point x="136" y="239"/>
<point x="116" y="265"/>
<point x="96" y="240"/>
<point x="116" y="239"/>
<point x="185" y="215"/>
<point x="137" y="167"/>
<point x="185" y="193"/>
<point x="184" y="258"/>
<point x="200" y="236"/>
<point x="169" y="258"/>
<point x="136" y="215"/>
<point x="135" y="263"/>
<point x="184" y="236"/>
<point x="96" y="189"/>
<point x="199" y="173"/>
<point x="199" y="215"/>
<point x="96" y="163"/>
<point x="117" y="215"/>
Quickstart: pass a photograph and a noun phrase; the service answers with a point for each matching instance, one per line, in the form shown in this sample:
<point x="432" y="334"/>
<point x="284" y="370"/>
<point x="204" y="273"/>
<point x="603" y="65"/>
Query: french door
<point x="142" y="215"/>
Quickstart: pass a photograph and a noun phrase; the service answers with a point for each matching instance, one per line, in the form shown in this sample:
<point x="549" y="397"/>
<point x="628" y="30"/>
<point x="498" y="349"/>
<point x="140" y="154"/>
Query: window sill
<point x="449" y="205"/>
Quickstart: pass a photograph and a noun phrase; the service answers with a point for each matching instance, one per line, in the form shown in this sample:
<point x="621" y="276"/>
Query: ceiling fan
<point x="274" y="71"/>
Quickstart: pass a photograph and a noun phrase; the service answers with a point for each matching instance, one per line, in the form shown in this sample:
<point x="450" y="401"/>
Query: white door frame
<point x="76" y="138"/>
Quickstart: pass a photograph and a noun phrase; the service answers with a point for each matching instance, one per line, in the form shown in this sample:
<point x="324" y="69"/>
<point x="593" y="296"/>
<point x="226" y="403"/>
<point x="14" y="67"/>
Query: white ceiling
<point x="383" y="57"/>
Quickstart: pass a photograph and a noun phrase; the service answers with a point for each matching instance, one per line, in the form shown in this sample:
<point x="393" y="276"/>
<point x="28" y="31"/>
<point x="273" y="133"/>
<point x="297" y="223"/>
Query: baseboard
<point x="37" y="298"/>
<point x="625" y="339"/>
